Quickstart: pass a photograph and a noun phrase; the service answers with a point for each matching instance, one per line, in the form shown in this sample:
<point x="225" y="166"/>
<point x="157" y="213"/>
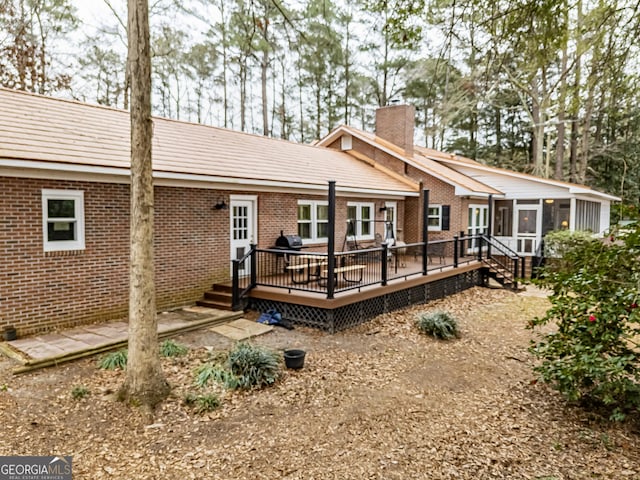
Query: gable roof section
<point x="69" y="135"/>
<point x="464" y="185"/>
<point x="467" y="164"/>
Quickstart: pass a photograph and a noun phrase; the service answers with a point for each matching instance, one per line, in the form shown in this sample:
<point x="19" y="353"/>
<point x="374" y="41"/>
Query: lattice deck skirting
<point x="347" y="316"/>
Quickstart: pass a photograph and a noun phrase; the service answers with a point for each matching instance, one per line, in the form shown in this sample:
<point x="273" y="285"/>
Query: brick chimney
<point x="395" y="124"/>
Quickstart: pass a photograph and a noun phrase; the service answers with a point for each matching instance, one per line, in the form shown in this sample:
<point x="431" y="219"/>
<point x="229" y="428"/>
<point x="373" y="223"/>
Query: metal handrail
<point x="504" y="249"/>
<point x="236" y="293"/>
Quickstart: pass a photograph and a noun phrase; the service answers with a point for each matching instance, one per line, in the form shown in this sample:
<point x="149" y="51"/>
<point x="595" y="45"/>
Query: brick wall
<point x="45" y="291"/>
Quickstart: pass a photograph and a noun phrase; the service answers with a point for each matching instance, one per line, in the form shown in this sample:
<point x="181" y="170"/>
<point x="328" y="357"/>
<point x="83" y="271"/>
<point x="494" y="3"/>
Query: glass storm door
<point x="478" y="224"/>
<point x="242" y="231"/>
<point x="528" y="225"/>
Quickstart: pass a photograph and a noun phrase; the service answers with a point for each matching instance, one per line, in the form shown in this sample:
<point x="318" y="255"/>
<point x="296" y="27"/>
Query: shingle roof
<point x="34" y="127"/>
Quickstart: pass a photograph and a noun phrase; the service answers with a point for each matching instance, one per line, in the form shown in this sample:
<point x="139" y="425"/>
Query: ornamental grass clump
<point x="170" y="348"/>
<point x="202" y="403"/>
<point x="114" y="360"/>
<point x="254" y="366"/>
<point x="438" y="324"/>
<point x="246" y="366"/>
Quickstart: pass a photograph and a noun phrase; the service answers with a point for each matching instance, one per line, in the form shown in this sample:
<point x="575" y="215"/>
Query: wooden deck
<point x="406" y="279"/>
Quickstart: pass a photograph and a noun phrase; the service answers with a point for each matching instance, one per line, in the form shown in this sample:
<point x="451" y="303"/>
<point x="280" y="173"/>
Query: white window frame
<point x="314" y="204"/>
<point x="63" y="245"/>
<point x="358" y="219"/>
<point x="435" y="228"/>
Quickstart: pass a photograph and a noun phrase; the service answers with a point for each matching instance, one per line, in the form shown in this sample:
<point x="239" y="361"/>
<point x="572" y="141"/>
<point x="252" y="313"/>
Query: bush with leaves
<point x="246" y="366"/>
<point x="592" y="356"/>
<point x="114" y="360"/>
<point x="438" y="324"/>
<point x="170" y="348"/>
<point x="202" y="403"/>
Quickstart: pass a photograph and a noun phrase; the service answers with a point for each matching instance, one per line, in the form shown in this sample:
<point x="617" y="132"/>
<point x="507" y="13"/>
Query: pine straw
<point x="380" y="401"/>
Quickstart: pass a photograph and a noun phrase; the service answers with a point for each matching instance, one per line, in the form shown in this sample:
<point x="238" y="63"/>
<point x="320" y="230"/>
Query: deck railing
<point x="309" y="271"/>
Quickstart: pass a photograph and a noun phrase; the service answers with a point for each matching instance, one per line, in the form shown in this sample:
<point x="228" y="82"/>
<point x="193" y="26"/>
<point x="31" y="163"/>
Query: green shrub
<point x="438" y="324"/>
<point x="214" y="372"/>
<point x="254" y="366"/>
<point x="592" y="357"/>
<point x="114" y="360"/>
<point x="169" y="348"/>
<point x="79" y="391"/>
<point x="246" y="366"/>
<point x="202" y="403"/>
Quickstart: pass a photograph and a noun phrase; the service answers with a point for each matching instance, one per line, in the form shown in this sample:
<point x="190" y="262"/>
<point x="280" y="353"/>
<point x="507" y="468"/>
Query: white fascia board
<point x="62" y="171"/>
<point x="593" y="193"/>
<point x="463" y="192"/>
<point x="508" y="173"/>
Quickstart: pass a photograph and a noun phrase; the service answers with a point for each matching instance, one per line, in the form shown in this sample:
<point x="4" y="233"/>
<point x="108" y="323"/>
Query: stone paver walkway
<point x="66" y="345"/>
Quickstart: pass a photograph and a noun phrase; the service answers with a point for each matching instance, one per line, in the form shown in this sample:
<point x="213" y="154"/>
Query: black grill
<point x="288" y="242"/>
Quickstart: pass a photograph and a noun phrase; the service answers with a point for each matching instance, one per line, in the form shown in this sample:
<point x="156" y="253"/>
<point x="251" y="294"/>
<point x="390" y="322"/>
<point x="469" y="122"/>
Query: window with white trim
<point x="313" y="220"/>
<point x="360" y="220"/>
<point x="434" y="217"/>
<point x="62" y="220"/>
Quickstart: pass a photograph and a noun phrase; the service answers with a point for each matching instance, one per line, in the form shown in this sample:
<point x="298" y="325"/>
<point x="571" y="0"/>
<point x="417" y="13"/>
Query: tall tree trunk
<point x="243" y="95"/>
<point x="575" y="101"/>
<point x="347" y="76"/>
<point x="562" y="106"/>
<point x="145" y="383"/>
<point x="264" y="67"/>
<point x="223" y="32"/>
<point x="537" y="129"/>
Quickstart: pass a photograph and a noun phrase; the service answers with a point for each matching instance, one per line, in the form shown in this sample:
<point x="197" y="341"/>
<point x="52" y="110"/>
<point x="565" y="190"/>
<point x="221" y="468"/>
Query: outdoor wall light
<point x="549" y="200"/>
<point x="221" y="205"/>
<point x="383" y="208"/>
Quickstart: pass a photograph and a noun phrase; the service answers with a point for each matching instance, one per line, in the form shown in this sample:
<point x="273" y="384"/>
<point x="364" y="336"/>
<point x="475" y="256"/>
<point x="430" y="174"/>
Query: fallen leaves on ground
<point x="380" y="401"/>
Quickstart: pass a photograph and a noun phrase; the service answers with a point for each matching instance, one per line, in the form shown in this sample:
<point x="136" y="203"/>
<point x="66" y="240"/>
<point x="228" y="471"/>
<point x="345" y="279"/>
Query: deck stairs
<point x="220" y="296"/>
<point x="502" y="274"/>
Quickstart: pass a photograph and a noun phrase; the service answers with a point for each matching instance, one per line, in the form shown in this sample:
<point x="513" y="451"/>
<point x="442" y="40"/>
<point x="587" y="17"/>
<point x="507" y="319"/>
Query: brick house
<point x="64" y="197"/>
<point x="468" y="197"/>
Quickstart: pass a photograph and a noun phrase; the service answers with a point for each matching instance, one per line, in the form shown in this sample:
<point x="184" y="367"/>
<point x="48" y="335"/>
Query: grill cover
<point x="289" y="242"/>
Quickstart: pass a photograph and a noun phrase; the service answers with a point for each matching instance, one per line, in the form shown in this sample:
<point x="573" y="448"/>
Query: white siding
<point x="514" y="187"/>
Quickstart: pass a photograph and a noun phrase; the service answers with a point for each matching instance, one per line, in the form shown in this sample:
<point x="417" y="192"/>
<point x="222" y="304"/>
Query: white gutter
<point x="49" y="170"/>
<point x="574" y="189"/>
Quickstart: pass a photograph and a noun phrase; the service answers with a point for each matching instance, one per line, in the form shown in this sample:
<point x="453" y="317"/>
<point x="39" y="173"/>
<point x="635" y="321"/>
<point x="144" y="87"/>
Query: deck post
<point x="384" y="260"/>
<point x="254" y="265"/>
<point x="455" y="251"/>
<point x="489" y="224"/>
<point x="331" y="241"/>
<point x="235" y="284"/>
<point x="425" y="229"/>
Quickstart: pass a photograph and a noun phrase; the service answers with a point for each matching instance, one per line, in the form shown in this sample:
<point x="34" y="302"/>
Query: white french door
<point x="243" y="228"/>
